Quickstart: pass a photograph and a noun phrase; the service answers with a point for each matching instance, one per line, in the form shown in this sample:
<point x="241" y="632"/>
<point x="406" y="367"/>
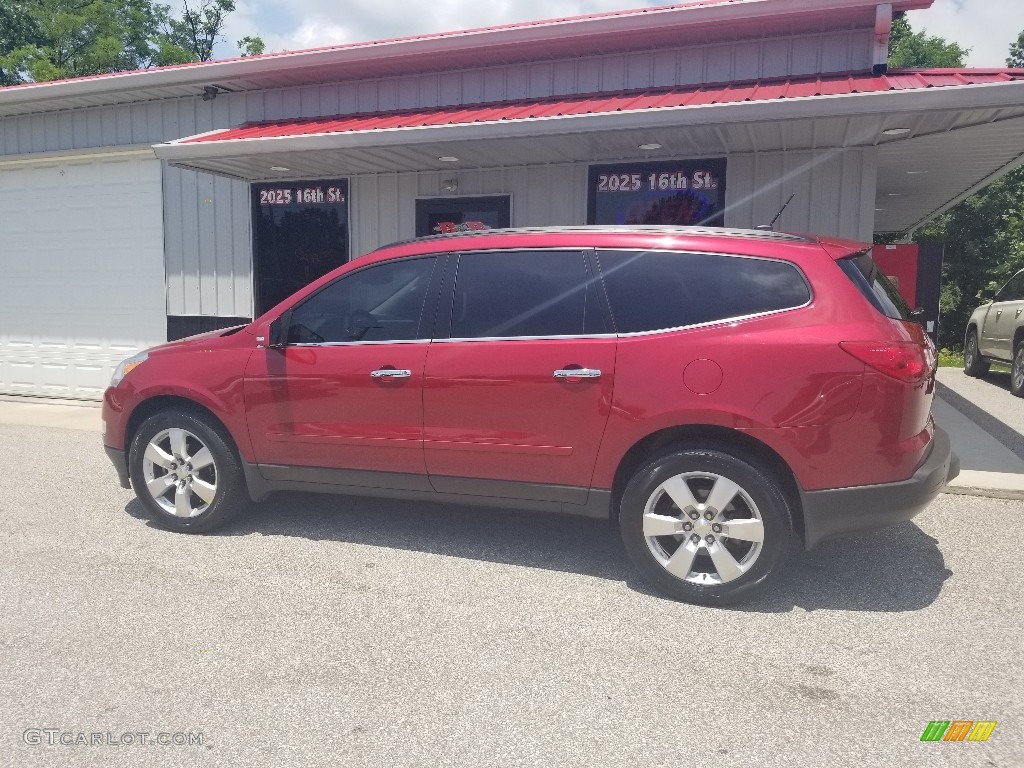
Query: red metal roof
<point x="608" y="103"/>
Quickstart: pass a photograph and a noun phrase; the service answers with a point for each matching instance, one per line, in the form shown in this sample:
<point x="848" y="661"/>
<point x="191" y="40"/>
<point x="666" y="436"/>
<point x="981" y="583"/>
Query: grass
<point x="951" y="358"/>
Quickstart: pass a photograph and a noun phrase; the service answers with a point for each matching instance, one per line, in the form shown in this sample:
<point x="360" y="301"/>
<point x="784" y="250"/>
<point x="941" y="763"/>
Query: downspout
<point x="883" y="28"/>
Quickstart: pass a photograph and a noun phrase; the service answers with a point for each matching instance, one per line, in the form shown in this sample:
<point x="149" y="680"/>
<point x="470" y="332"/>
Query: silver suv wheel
<point x="707" y="525"/>
<point x="180" y="472"/>
<point x="703" y="528"/>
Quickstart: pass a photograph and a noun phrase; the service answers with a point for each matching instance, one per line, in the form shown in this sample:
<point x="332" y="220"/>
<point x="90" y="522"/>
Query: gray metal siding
<point x="207" y="219"/>
<point x="207" y="244"/>
<point x="834" y="195"/>
<point x="153" y="122"/>
<point x="834" y="191"/>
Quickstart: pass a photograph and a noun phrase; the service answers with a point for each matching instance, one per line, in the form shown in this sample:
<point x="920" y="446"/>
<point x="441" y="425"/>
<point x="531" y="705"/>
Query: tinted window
<point x="380" y="303"/>
<point x="525" y="293"/>
<point x="651" y="291"/>
<point x="1013" y="290"/>
<point x="875" y="286"/>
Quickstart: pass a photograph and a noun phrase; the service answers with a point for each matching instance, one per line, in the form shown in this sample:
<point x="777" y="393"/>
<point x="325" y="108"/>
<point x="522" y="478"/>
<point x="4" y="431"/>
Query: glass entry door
<point x="300" y="232"/>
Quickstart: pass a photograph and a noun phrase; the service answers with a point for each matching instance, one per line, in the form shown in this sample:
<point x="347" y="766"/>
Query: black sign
<point x="685" y="192"/>
<point x="300" y="232"/>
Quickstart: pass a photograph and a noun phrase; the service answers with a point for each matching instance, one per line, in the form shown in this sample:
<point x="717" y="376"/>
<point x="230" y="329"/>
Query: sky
<point x="987" y="27"/>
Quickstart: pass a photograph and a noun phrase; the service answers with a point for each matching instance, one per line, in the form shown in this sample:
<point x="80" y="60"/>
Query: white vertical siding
<point x="207" y="244"/>
<point x="834" y="191"/>
<point x="207" y="220"/>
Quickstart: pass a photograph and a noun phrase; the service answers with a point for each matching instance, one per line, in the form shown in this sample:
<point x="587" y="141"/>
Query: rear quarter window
<point x="659" y="290"/>
<point x="874" y="286"/>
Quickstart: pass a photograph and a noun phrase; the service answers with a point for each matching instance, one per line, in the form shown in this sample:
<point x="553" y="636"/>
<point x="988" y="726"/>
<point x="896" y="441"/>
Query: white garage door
<point x="81" y="271"/>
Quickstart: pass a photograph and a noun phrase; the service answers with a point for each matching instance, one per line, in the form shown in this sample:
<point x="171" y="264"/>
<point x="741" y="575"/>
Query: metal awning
<point x="940" y="133"/>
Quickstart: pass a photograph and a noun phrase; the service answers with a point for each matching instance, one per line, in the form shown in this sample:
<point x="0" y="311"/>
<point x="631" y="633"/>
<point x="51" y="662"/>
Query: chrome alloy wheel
<point x="1017" y="371"/>
<point x="179" y="472"/>
<point x="703" y="528"/>
<point x="971" y="352"/>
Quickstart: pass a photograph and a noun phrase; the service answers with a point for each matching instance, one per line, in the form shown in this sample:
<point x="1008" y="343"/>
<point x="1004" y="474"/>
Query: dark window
<point x="1013" y="290"/>
<point x="875" y="286"/>
<point x="525" y="293"/>
<point x="652" y="291"/>
<point x="380" y="303"/>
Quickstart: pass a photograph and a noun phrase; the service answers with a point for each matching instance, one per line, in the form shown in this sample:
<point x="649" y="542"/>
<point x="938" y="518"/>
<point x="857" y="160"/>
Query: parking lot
<point x="332" y="631"/>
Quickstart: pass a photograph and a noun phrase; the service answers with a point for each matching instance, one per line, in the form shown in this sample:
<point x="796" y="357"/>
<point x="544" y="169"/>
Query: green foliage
<point x="984" y="235"/>
<point x="1016" y="58"/>
<point x="909" y="49"/>
<point x="55" y="39"/>
<point x="984" y="247"/>
<point x="251" y="45"/>
<point x="951" y="358"/>
<point x="200" y="26"/>
<point x="19" y="34"/>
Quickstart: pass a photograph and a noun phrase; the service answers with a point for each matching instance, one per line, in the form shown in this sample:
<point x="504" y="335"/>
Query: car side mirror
<point x="917" y="315"/>
<point x="989" y="295"/>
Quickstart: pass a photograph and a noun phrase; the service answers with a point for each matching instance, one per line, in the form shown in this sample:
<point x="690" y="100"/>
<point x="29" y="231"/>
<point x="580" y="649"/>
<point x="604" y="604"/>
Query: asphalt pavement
<point x="336" y="632"/>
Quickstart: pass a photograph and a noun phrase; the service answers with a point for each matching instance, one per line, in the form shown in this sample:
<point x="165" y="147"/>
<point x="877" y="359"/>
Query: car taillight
<point x="910" y="362"/>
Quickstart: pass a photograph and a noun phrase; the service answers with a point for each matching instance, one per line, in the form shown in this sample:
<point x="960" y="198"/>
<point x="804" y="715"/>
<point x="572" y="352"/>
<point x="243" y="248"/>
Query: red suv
<point x="720" y="393"/>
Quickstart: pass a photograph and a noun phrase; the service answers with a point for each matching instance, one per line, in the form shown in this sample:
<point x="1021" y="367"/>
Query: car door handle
<point x="578" y="373"/>
<point x="391" y="373"/>
<point x="1021" y="309"/>
<point x="999" y="313"/>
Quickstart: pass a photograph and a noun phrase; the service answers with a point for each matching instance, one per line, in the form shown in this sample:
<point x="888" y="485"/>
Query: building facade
<point x="139" y="207"/>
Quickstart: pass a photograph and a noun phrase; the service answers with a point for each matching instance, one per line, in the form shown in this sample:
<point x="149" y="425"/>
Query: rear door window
<point x="659" y="290"/>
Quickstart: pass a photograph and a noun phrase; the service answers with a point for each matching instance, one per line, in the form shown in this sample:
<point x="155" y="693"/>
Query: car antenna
<point x="771" y="227"/>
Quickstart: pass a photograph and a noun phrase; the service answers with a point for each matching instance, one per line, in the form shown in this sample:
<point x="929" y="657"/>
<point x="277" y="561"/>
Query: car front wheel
<point x="974" y="364"/>
<point x="705" y="525"/>
<point x="185" y="472"/>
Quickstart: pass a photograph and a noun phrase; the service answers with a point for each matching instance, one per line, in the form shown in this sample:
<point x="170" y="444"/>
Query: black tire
<point x="223" y="473"/>
<point x="759" y="495"/>
<point x="974" y="364"/>
<point x="1017" y="371"/>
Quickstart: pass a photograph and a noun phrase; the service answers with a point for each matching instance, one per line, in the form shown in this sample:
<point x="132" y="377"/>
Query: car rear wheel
<point x="185" y="472"/>
<point x="1017" y="371"/>
<point x="705" y="525"/>
<point x="974" y="364"/>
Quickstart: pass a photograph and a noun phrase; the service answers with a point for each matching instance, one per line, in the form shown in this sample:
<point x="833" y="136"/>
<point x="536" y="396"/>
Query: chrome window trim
<point x="530" y="338"/>
<point x="724" y="321"/>
<point x="375" y="343"/>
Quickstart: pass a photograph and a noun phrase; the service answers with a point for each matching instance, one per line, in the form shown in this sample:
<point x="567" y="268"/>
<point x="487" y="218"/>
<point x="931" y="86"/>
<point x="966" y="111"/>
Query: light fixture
<point x="650" y="146"/>
<point x="210" y="92"/>
<point x="894" y="194"/>
<point x="916" y="173"/>
<point x="450" y="186"/>
<point x="448" y="159"/>
<point x="279" y="168"/>
<point x="896" y="131"/>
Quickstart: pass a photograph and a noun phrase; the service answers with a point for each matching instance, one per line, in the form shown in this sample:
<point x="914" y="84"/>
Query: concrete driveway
<point x="330" y="631"/>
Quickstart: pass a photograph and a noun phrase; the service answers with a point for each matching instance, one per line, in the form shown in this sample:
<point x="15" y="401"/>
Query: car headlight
<point x="126" y="365"/>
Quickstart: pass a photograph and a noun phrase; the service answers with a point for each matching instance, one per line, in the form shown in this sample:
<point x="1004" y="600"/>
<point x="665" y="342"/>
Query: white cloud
<point x="988" y="27"/>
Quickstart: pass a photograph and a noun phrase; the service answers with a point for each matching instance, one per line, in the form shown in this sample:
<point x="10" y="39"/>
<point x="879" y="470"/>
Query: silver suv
<point x="995" y="332"/>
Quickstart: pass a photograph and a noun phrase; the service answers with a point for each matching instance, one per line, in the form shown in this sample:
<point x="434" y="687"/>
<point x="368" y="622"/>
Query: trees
<point x="1016" y="58"/>
<point x="984" y="235"/>
<point x="910" y="49"/>
<point x="55" y="39"/>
